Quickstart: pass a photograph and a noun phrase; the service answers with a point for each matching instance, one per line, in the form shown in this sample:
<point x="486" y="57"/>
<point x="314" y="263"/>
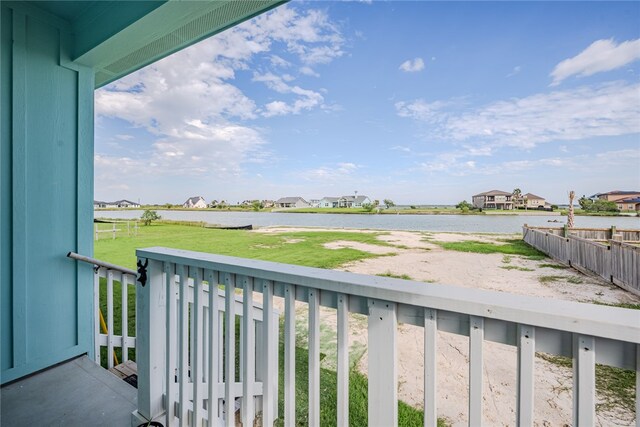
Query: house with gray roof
<point x="292" y="202"/>
<point x="196" y="202"/>
<point x="344" y="202"/>
<point x="494" y="199"/>
<point x="531" y="201"/>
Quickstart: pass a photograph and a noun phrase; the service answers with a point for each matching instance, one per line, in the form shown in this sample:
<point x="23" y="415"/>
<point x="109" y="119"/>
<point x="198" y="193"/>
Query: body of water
<point x="463" y="223"/>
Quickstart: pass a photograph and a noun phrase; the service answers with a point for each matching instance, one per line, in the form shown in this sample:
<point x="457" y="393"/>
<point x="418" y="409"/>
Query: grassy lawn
<point x="301" y="248"/>
<point x="509" y="247"/>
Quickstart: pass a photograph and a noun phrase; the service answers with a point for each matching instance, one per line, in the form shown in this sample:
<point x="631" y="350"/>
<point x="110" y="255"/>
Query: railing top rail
<point x="534" y="227"/>
<point x="606" y="322"/>
<point x="99" y="263"/>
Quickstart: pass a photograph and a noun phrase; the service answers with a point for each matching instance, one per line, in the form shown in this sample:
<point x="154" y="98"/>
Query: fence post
<point x="114" y="231"/>
<point x="613" y="230"/>
<point x="565" y="230"/>
<point x="150" y="342"/>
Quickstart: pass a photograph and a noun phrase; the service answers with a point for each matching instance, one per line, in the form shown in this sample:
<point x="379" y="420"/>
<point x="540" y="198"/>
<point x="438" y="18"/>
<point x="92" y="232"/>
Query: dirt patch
<point x="553" y="395"/>
<point x="365" y="247"/>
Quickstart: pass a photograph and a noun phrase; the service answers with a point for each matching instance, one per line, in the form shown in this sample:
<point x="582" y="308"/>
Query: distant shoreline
<point x="390" y="211"/>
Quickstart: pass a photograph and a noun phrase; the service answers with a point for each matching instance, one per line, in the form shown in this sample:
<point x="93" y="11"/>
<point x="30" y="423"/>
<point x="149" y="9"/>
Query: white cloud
<point x="412" y="65"/>
<point x="277" y="61"/>
<point x="124" y="137"/>
<point x="454" y="163"/>
<point x="308" y="71"/>
<point x="601" y="55"/>
<point x="605" y="110"/>
<point x="330" y="173"/>
<point x="199" y="118"/>
<point x="516" y="70"/>
<point x="304" y="99"/>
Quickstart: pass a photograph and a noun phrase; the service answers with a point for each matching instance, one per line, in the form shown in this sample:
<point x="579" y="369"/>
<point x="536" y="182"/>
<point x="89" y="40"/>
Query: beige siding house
<point x="494" y="199"/>
<point x="531" y="201"/>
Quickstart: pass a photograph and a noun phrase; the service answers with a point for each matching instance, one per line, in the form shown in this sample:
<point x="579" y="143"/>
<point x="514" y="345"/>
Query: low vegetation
<point x="507" y="246"/>
<point x="515" y="267"/>
<point x="615" y="387"/>
<point x="569" y="279"/>
<point x="555" y="266"/>
<point x="395" y="276"/>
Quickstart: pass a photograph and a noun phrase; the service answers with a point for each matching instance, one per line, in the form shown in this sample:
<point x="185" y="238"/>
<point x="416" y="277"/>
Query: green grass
<point x="626" y="305"/>
<point x="358" y="396"/>
<point x="556" y="266"/>
<point x="510" y="247"/>
<point x="395" y="276"/>
<point x="515" y="267"/>
<point x="615" y="387"/>
<point x="569" y="279"/>
<point x="300" y="248"/>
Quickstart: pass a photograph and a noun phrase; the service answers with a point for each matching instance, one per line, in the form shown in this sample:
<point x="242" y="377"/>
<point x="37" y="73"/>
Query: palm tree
<point x="572" y="194"/>
<point x="515" y="195"/>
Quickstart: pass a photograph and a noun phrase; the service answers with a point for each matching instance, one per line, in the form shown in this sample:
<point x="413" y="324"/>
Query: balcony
<point x="185" y="355"/>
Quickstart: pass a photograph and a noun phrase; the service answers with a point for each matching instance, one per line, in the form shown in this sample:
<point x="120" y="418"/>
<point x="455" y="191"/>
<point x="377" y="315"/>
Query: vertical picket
<point x="343" y="359"/>
<point x="430" y="366"/>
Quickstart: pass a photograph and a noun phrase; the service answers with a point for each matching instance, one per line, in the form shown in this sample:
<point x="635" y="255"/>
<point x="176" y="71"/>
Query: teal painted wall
<point x="47" y="192"/>
<point x="6" y="313"/>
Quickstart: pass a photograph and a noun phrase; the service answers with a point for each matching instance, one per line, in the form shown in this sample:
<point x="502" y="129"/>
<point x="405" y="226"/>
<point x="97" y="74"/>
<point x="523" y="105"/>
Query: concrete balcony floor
<point x="74" y="393"/>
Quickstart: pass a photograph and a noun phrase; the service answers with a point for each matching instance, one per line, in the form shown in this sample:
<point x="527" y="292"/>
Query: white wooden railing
<point x="589" y="334"/>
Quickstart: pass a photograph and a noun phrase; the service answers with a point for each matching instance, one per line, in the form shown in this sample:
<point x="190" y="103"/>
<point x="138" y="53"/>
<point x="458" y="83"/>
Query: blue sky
<point x="419" y="102"/>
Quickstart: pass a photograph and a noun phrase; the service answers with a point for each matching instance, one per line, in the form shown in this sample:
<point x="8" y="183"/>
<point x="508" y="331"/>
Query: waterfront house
<point x="329" y="202"/>
<point x="54" y="55"/>
<point x="196" y="202"/>
<point x="613" y="196"/>
<point x="126" y="204"/>
<point x="292" y="202"/>
<point x="353" y="201"/>
<point x="530" y="201"/>
<point x="344" y="202"/>
<point x="494" y="199"/>
<point x="630" y="204"/>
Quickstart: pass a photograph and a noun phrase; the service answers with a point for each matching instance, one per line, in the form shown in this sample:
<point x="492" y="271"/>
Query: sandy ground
<point x="425" y="261"/>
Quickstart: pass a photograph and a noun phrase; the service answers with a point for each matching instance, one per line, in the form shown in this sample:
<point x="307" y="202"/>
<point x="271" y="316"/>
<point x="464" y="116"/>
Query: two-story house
<point x="494" y="199"/>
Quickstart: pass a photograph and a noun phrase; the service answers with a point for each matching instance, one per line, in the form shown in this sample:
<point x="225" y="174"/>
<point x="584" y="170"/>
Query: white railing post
<point x="383" y="369"/>
<point x="150" y="342"/>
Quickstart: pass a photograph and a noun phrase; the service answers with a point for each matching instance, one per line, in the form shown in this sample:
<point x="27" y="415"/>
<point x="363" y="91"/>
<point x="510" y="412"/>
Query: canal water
<point x="462" y="223"/>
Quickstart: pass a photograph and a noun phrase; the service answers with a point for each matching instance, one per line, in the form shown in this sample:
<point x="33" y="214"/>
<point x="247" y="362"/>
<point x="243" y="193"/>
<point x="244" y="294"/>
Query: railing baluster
<point x="269" y="398"/>
<point x="124" y="284"/>
<point x="150" y="340"/>
<point x="289" y="355"/>
<point x="196" y="333"/>
<point x="526" y="371"/>
<point x="170" y="348"/>
<point x="638" y="385"/>
<point x="383" y="369"/>
<point x="110" y="353"/>
<point x="314" y="357"/>
<point x="584" y="380"/>
<point x="476" y="338"/>
<point x="430" y="367"/>
<point x="214" y="359"/>
<point x="96" y="313"/>
<point x="343" y="359"/>
<point x="230" y="349"/>
<point x="183" y="349"/>
<point x="249" y="345"/>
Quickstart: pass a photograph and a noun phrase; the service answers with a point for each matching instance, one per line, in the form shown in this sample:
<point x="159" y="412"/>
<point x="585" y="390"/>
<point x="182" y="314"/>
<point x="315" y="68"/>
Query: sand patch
<point x="553" y="383"/>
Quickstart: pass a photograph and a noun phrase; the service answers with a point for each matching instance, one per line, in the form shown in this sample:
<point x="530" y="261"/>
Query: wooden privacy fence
<point x="616" y="261"/>
<point x="628" y="235"/>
